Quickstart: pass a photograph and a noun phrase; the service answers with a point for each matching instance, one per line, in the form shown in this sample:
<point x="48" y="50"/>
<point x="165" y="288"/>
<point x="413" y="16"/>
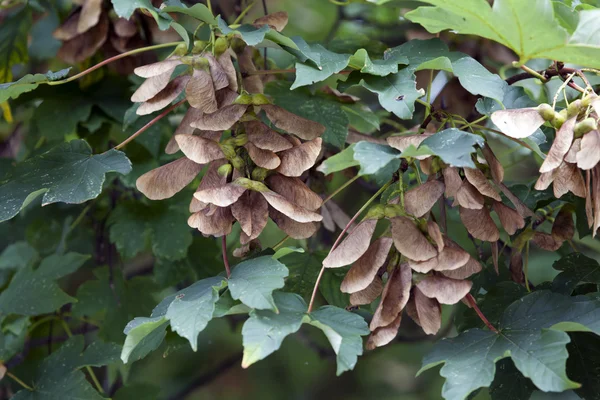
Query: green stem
<point x="281" y="242"/>
<point x="344" y="186"/>
<point x="243" y="13"/>
<point x="339" y="239"/>
<point x="532" y="72"/>
<point x="424" y="103"/>
<point x="109" y="60"/>
<point x="20" y="382"/>
<point x="225" y="258"/>
<point x="41" y="321"/>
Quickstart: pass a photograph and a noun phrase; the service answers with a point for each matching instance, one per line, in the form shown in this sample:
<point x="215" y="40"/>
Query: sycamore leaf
<point x="265" y="330"/>
<point x="249" y="33"/>
<point x="18" y="255"/>
<point x="531" y="332"/>
<point x="339" y="162"/>
<point x="34" y="292"/>
<point x="12" y="90"/>
<point x="330" y="63"/>
<point x="126" y="8"/>
<point x="144" y="335"/>
<point x="343" y="330"/>
<point x="198" y="11"/>
<point x="374" y="157"/>
<point x="576" y="268"/>
<point x="67" y="173"/>
<point x="253" y="281"/>
<point x="453" y="146"/>
<point x="528" y="28"/>
<point x="58" y="375"/>
<point x="304" y="269"/>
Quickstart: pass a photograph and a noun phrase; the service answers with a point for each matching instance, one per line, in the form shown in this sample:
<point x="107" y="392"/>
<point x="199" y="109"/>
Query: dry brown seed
<point x="516" y="266"/>
<point x="589" y="211"/>
<point x="363" y="271"/>
<point x="510" y="219"/>
<point x="151" y="87"/>
<point x="567" y="178"/>
<point x="596" y="198"/>
<point x="427" y="312"/>
<point x="563" y="227"/>
<point x="265" y="138"/>
<point x="89" y="15"/>
<point x="481" y="183"/>
<point x="469" y="197"/>
<point x="263" y="158"/>
<point x="217" y="223"/>
<point x="519" y="205"/>
<point x="124" y="28"/>
<point x="426" y="165"/>
<point x="227" y="65"/>
<point x="404" y="142"/>
<point x="296" y="230"/>
<point x="546" y="241"/>
<point x="68" y="29"/>
<point x="433" y="230"/>
<point x="410" y="241"/>
<point x="225" y="97"/>
<point x="278" y="20"/>
<point x="163" y="182"/>
<point x="571" y="156"/>
<point x="199" y="149"/>
<point x="496" y="168"/>
<point x="589" y="155"/>
<point x="452" y="181"/>
<point x="394" y="297"/>
<point x="295" y="191"/>
<point x="251" y="83"/>
<point x="339" y="216"/>
<point x="448" y="259"/>
<point x="518" y="123"/>
<point x="221" y="196"/>
<point x="303" y="128"/>
<point x="327" y="219"/>
<point x="384" y="335"/>
<point x="82" y="47"/>
<point x="221" y="120"/>
<point x="299" y="158"/>
<point x="560" y="146"/>
<point x="545" y="180"/>
<point x="165" y="97"/>
<point x="218" y="74"/>
<point x="158" y="68"/>
<point x="445" y="290"/>
<point x="480" y="224"/>
<point x="368" y="294"/>
<point x="471" y="267"/>
<point x="211" y="179"/>
<point x="418" y="201"/>
<point x="295" y="212"/>
<point x="252" y="212"/>
<point x="353" y="246"/>
<point x="200" y="92"/>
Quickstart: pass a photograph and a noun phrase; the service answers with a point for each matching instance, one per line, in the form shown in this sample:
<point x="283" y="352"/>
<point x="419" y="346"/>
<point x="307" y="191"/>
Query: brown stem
<point x="225" y="259"/>
<point x="472" y="303"/>
<point x="149" y="124"/>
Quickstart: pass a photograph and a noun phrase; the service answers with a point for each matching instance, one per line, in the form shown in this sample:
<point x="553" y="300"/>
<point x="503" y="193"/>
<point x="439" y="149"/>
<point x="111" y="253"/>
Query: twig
<point x="265" y="66"/>
<point x="225" y="259"/>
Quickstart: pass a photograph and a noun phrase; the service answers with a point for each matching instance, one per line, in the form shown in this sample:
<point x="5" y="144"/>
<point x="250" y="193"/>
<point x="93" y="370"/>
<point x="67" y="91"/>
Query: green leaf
<point x="339" y="162"/>
<point x="253" y="281"/>
<point x="18" y="255"/>
<point x="453" y="146"/>
<point x="509" y="383"/>
<point x="249" y="34"/>
<point x="12" y="90"/>
<point x="13" y="42"/>
<point x="374" y="157"/>
<point x="330" y="63"/>
<point x="13" y="332"/>
<point x="284" y="251"/>
<point x="125" y="9"/>
<point x="190" y="309"/>
<point x="343" y="330"/>
<point x="67" y="173"/>
<point x="58" y="376"/>
<point x="330" y="287"/>
<point x="389" y="65"/>
<point x="531" y="332"/>
<point x="584" y="362"/>
<point x="304" y="269"/>
<point x="528" y="28"/>
<point x="265" y="330"/>
<point x="319" y="108"/>
<point x="198" y="11"/>
<point x="34" y="292"/>
<point x="144" y="335"/>
<point x="576" y="268"/>
<point x="361" y="117"/>
<point x="59" y="115"/>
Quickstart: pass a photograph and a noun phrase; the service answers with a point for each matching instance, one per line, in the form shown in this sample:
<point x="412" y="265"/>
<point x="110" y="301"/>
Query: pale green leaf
<point x="249" y="34"/>
<point x="18" y="255"/>
<point x="12" y="90"/>
<point x="144" y="335"/>
<point x="339" y="162"/>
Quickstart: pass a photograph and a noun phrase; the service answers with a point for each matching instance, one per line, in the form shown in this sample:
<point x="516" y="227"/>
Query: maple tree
<point x="210" y="175"/>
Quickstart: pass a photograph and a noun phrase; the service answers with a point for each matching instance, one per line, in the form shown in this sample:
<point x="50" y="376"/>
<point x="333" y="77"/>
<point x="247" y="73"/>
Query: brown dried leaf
<point x="546" y="241"/>
<point x="481" y="183"/>
<point x="496" y="168"/>
<point x="563" y="227"/>
<point x="571" y="156"/>
<point x="277" y="20"/>
<point x="158" y="68"/>
<point x="200" y="92"/>
<point x="353" y="246"/>
<point x="480" y="224"/>
<point x="365" y="269"/>
<point x="443" y="289"/>
<point x="303" y="128"/>
<point x="221" y="120"/>
<point x="471" y="267"/>
<point x="368" y="294"/>
<point x="296" y="230"/>
<point x="218" y="74"/>
<point x="199" y="149"/>
<point x="394" y="297"/>
<point x="165" y="97"/>
<point x="560" y="146"/>
<point x="263" y="158"/>
<point x="217" y="223"/>
<point x="265" y="138"/>
<point x="227" y="65"/>
<point x="294" y="211"/>
<point x="518" y="123"/>
<point x="433" y="230"/>
<point x="452" y="180"/>
<point x="469" y="197"/>
<point x="410" y="241"/>
<point x="427" y="312"/>
<point x="589" y="155"/>
<point x="295" y="191"/>
<point x="252" y="212"/>
<point x="510" y="219"/>
<point x="418" y="201"/>
<point x="82" y="47"/>
<point x="299" y="158"/>
<point x="384" y="335"/>
<point x="163" y="182"/>
<point x="222" y="196"/>
<point x="89" y="15"/>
